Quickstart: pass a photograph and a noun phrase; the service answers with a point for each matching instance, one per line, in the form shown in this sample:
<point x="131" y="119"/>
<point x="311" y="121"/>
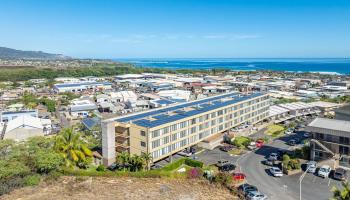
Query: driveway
<point x="211" y="157"/>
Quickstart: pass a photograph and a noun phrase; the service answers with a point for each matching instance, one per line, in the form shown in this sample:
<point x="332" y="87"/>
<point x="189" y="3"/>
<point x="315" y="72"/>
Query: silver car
<point x="276" y="172"/>
<point x="255" y="195"/>
<point x="311" y="166"/>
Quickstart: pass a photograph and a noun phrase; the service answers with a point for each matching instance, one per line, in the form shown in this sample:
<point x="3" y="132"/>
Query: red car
<point x="238" y="176"/>
<point x="259" y="143"/>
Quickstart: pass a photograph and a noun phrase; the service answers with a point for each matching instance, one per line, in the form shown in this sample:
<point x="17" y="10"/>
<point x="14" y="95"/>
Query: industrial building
<point x="168" y="130"/>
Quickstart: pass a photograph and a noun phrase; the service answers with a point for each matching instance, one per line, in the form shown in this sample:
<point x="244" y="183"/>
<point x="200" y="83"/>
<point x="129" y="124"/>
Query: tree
<point x="123" y="158"/>
<point x="72" y="148"/>
<point x="47" y="161"/>
<point x="341" y="194"/>
<point x="136" y="163"/>
<point x="147" y="157"/>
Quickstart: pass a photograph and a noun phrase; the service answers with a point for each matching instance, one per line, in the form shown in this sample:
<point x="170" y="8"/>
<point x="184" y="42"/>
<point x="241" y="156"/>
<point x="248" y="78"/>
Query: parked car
<point x="311" y="166"/>
<point x="256" y="195"/>
<point x="238" y="176"/>
<point x="269" y="162"/>
<point x="227" y="167"/>
<point x="226" y="148"/>
<point x="245" y="188"/>
<point x="307" y="135"/>
<point x="340" y="174"/>
<point x="273" y="156"/>
<point x="259" y="143"/>
<point x="292" y="142"/>
<point x="185" y="153"/>
<point x="324" y="171"/>
<point x="288" y="131"/>
<point x="220" y="163"/>
<point x="276" y="172"/>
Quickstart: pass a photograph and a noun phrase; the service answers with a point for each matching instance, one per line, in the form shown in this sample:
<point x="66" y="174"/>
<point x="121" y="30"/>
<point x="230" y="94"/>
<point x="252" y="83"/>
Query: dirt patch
<point x="71" y="188"/>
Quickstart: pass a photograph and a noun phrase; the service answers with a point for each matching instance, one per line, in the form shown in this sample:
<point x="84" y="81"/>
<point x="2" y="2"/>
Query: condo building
<point x="168" y="130"/>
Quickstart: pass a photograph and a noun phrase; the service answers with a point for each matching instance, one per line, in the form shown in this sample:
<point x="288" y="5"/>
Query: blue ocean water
<point x="324" y="65"/>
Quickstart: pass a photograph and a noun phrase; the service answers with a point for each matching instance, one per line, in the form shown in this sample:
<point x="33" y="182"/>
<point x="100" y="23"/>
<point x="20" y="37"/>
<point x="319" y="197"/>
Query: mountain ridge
<point x="9" y="53"/>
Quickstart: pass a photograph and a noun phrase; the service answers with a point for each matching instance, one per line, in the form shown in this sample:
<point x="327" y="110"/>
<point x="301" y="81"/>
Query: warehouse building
<point x="168" y="130"/>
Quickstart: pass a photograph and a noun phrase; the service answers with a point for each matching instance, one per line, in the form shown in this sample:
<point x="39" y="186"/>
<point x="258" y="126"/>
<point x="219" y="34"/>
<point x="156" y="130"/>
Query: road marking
<point x="329" y="181"/>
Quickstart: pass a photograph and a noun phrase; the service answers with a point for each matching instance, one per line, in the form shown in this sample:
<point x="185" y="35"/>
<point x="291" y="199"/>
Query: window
<point x="155" y="133"/>
<point x="143" y="133"/>
<point x="155" y="143"/>
<point x="143" y="144"/>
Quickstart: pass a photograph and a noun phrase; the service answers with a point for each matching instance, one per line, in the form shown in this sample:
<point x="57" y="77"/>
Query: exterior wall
<point x="167" y="139"/>
<point x="8" y="116"/>
<point x="136" y="138"/>
<point x="23" y="133"/>
<point x="108" y="143"/>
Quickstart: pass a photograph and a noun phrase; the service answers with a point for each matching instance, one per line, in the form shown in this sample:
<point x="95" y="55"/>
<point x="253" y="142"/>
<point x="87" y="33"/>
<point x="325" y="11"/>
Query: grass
<point x="241" y="141"/>
<point x="236" y="151"/>
<point x="274" y="130"/>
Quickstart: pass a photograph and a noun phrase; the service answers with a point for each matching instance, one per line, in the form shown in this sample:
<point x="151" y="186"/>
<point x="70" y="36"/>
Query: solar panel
<point x="204" y="107"/>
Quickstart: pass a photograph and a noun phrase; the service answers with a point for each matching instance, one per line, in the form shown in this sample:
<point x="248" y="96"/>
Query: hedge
<point x="193" y="163"/>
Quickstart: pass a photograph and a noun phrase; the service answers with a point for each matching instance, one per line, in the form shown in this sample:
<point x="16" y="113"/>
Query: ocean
<point x="324" y="65"/>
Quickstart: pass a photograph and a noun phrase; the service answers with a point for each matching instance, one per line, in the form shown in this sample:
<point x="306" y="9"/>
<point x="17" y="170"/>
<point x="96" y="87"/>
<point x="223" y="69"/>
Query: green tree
<point x="72" y="148"/>
<point x="47" y="161"/>
<point x="123" y="158"/>
<point x="341" y="194"/>
<point x="147" y="157"/>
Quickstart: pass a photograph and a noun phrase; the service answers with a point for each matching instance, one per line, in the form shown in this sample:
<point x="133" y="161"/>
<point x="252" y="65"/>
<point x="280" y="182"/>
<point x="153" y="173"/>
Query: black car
<point x="227" y="167"/>
<point x="292" y="142"/>
<point x="226" y="148"/>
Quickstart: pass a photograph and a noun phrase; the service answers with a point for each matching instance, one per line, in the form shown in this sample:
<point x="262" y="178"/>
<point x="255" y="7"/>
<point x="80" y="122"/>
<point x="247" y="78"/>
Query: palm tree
<point x="72" y="148"/>
<point x="147" y="157"/>
<point x="343" y="194"/>
<point x="124" y="159"/>
<point x="136" y="163"/>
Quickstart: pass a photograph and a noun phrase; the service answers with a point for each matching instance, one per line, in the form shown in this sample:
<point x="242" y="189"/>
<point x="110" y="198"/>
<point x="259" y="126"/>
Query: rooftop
<point x="158" y="117"/>
<point x="332" y="124"/>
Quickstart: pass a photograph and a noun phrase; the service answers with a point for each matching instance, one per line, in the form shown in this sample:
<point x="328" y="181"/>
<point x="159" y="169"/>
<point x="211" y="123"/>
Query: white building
<point x="82" y="86"/>
<point x="81" y="108"/>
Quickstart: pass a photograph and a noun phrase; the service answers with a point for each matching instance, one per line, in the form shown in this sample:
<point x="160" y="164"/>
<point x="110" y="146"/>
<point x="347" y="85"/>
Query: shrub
<point x="193" y="163"/>
<point x="241" y="141"/>
<point x="101" y="168"/>
<point x="174" y="165"/>
<point x="7" y="185"/>
<point x="32" y="180"/>
<point x="224" y="179"/>
<point x="195" y="173"/>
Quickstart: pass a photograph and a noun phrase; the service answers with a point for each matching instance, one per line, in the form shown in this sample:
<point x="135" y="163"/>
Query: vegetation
<point x="341" y="194"/>
<point x="342" y="99"/>
<point x="21" y="163"/>
<point x="290" y="164"/>
<point x="283" y="100"/>
<point x="32" y="101"/>
<point x="72" y="148"/>
<point x="274" y="130"/>
<point x="241" y="141"/>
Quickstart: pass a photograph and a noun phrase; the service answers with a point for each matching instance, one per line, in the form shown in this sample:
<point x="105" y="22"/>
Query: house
<point x="81" y="108"/>
<point x="91" y="123"/>
<point x="123" y="96"/>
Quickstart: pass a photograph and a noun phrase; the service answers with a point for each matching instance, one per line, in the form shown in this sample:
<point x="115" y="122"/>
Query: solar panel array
<point x="200" y="106"/>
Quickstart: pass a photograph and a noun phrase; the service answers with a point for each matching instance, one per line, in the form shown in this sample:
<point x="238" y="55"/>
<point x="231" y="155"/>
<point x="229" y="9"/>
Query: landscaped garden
<point x="275" y="130"/>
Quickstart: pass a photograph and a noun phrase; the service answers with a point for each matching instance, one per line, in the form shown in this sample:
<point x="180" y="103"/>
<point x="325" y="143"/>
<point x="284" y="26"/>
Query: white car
<point x="276" y="172"/>
<point x="324" y="171"/>
<point x="255" y="195"/>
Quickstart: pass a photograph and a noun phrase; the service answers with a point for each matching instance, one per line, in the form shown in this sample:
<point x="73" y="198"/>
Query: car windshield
<point x="323" y="170"/>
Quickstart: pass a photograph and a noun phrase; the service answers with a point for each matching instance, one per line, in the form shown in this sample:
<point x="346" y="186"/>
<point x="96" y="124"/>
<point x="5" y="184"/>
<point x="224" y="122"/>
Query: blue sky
<point x="178" y="28"/>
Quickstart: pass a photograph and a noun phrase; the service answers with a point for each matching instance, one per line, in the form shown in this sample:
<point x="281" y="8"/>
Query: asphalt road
<point x="286" y="187"/>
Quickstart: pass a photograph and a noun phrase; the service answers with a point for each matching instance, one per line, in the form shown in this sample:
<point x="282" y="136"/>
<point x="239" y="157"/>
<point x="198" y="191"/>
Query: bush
<point x="224" y="179"/>
<point x="101" y="168"/>
<point x="32" y="180"/>
<point x="193" y="163"/>
<point x="241" y="141"/>
<point x="195" y="173"/>
<point x="174" y="165"/>
<point x="7" y="185"/>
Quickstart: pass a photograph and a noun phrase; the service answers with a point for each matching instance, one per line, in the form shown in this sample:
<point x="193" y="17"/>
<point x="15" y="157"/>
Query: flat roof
<point x="197" y="107"/>
<point x="61" y="85"/>
<point x="330" y="124"/>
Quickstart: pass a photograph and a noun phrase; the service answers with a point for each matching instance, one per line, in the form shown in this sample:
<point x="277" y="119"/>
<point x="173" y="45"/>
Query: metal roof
<point x="81" y="84"/>
<point x="198" y="107"/>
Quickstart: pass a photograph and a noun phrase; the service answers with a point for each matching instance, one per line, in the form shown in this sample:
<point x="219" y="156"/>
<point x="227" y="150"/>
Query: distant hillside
<point x="19" y="54"/>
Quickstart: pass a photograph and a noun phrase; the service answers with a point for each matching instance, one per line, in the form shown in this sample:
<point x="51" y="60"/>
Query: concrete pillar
<point x="108" y="142"/>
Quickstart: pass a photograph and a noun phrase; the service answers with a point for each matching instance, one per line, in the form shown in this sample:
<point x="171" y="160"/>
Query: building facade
<point x="166" y="131"/>
<point x="330" y="140"/>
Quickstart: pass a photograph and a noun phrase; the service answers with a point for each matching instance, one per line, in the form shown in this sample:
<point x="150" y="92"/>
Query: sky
<point x="178" y="28"/>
